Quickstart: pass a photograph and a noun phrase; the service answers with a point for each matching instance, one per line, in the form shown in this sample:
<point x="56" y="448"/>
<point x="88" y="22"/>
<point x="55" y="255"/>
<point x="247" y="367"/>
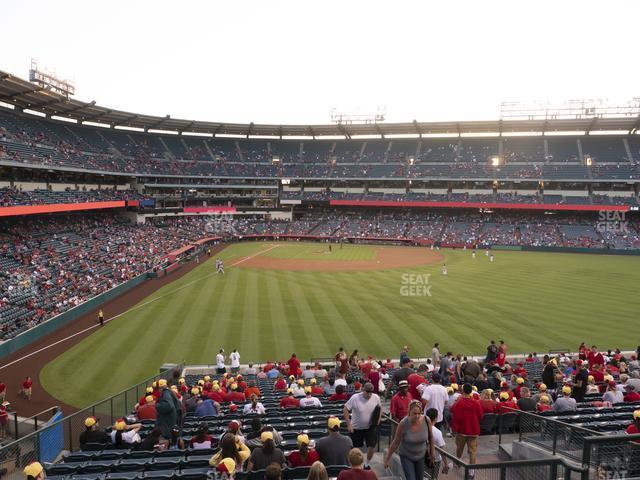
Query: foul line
<point x="134" y="308"/>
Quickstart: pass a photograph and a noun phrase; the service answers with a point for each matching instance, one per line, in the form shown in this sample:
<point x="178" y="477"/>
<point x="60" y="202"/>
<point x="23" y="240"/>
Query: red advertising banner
<point x="58" y="207"/>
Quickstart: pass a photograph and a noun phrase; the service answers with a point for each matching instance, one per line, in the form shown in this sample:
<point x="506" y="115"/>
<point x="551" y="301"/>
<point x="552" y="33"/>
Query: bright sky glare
<point x="291" y="61"/>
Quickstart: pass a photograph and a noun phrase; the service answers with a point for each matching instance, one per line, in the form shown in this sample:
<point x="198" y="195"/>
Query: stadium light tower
<point x="358" y="115"/>
<point x="49" y="81"/>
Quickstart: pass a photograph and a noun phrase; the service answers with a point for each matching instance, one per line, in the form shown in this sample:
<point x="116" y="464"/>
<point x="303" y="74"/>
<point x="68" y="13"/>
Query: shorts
<point x="362" y="437"/>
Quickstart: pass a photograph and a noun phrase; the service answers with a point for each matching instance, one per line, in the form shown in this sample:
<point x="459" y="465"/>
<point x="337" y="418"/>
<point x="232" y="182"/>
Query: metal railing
<point x="24" y="426"/>
<point x="555" y="436"/>
<point x="555" y="468"/>
<point x="46" y="444"/>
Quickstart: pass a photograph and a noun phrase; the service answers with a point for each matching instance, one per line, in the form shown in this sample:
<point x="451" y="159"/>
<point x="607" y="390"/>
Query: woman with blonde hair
<point x="318" y="472"/>
<point x="413" y="436"/>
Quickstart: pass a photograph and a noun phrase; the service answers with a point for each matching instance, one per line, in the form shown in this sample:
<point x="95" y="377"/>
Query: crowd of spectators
<point x="11" y="196"/>
<point x="40" y="142"/>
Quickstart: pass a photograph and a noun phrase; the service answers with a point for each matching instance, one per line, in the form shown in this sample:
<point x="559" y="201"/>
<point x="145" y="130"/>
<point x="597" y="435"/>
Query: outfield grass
<point x="535" y="301"/>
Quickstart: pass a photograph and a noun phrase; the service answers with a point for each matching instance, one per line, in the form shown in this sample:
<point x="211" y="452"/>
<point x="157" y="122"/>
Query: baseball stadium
<point x="198" y="299"/>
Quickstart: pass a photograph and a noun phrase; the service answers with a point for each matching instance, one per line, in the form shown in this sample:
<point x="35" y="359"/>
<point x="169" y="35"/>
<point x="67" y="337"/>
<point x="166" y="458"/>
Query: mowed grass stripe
<point x="535" y="301"/>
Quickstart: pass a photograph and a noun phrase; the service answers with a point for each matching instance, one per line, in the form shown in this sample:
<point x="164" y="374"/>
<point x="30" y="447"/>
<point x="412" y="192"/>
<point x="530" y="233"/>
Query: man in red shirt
<point x="631" y="395"/>
<point x="596" y="373"/>
<point x="634" y="428"/>
<point x="234" y="395"/>
<point x="294" y="365"/>
<point x="3" y="391"/>
<point x="148" y="410"/>
<point x="400" y="401"/>
<point x="289" y="401"/>
<point x="595" y="357"/>
<point x="466" y="414"/>
<point x="416" y="379"/>
<point x="26" y="388"/>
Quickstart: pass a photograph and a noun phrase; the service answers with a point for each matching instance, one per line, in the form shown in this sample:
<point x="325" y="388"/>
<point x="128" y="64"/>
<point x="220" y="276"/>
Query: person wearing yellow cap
<point x="544" y="404"/>
<point x="304" y="456"/>
<point x="309" y="401"/>
<point x="550" y="374"/>
<point x="226" y="468"/>
<point x="542" y="390"/>
<point x="34" y="471"/>
<point x="92" y="433"/>
<point x="591" y="385"/>
<point x="334" y="448"/>
<point x="123" y="435"/>
<point x="506" y="403"/>
<point x="289" y="401"/>
<point x="298" y="389"/>
<point x="148" y="410"/>
<point x="231" y="448"/>
<point x="634" y="428"/>
<point x="565" y="403"/>
<point x="268" y="453"/>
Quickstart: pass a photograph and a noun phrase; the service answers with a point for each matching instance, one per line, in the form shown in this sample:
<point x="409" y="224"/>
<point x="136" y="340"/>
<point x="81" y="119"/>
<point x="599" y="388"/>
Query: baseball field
<point x="279" y="298"/>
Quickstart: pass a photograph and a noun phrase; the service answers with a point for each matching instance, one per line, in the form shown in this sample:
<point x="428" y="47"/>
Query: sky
<point x="291" y="62"/>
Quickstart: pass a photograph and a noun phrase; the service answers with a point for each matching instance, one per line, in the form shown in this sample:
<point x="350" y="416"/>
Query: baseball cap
<point x="301" y="382"/>
<point x="590" y="378"/>
<point x="636" y="415"/>
<point x="454" y="386"/>
<point x="566" y="389"/>
<point x="149" y="390"/>
<point x="450" y="390"/>
<point x="206" y="378"/>
<point x="90" y="421"/>
<point x="307" y="389"/>
<point x="234" y="426"/>
<point x="233" y="407"/>
<point x="162" y="383"/>
<point x="519" y="380"/>
<point x="227" y="465"/>
<point x="542" y="387"/>
<point x="544" y="399"/>
<point x="289" y="391"/>
<point x="368" y="387"/>
<point x="333" y="423"/>
<point x="303" y="438"/>
<point x="612" y="384"/>
<point x="195" y="391"/>
<point x="33" y="469"/>
<point x="313" y="381"/>
<point x="402" y="383"/>
<point x="148" y="398"/>
<point x="264" y="436"/>
<point x="504" y="396"/>
<point x="120" y="424"/>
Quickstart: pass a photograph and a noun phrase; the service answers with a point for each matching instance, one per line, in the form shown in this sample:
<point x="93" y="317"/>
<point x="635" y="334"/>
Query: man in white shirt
<point x="340" y="380"/>
<point x="362" y="415"/>
<point x="309" y="401"/>
<point x="235" y="361"/>
<point x="220" y="368"/>
<point x="435" y="396"/>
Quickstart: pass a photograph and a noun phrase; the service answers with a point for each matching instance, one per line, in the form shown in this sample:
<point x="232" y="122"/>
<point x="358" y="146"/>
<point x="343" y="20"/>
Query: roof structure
<point x="26" y="95"/>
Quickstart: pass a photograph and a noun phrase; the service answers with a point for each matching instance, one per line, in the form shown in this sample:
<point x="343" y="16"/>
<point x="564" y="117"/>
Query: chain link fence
<point x="613" y="456"/>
